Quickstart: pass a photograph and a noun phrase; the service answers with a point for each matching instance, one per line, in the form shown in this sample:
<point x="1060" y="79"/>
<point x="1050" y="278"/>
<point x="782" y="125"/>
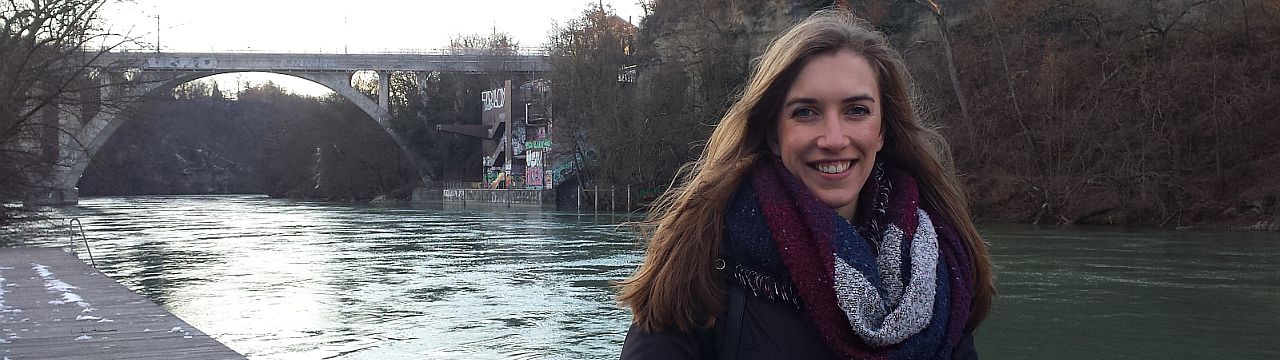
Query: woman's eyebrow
<point x="806" y="101"/>
<point x="861" y="97"/>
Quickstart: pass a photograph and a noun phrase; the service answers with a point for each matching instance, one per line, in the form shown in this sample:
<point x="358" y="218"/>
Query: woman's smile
<point x="832" y="167"/>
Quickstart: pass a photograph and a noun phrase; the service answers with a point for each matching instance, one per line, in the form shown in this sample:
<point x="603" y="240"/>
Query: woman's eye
<point x="803" y="113"/>
<point x="859" y="110"/>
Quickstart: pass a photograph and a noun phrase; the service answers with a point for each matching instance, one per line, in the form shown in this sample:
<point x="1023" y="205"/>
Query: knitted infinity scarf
<point x="896" y="286"/>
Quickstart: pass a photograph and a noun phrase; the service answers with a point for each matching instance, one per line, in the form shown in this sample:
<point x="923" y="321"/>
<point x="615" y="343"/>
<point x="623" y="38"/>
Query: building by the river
<point x="516" y="147"/>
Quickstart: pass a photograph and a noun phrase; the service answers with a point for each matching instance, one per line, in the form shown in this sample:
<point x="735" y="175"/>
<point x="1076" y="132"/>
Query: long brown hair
<point x="677" y="285"/>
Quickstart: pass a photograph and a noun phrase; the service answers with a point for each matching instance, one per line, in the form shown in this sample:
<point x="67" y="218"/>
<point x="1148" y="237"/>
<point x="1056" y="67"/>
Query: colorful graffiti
<point x="533" y="176"/>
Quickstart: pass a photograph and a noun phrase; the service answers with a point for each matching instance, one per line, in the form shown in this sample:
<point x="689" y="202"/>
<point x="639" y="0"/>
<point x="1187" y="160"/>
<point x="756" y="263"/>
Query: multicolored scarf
<point x="897" y="285"/>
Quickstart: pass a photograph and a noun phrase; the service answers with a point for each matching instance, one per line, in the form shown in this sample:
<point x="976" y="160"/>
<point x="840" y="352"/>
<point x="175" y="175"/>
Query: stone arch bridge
<point x="135" y="75"/>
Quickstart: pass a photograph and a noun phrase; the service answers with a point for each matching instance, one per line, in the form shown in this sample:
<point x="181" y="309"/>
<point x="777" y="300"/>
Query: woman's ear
<point x="883" y="130"/>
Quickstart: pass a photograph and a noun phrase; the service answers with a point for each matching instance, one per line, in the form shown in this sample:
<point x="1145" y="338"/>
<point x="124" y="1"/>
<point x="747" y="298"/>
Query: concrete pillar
<point x="384" y="89"/>
<point x="511" y="155"/>
<point x="422" y="78"/>
<point x="52" y="197"/>
<point x="55" y="152"/>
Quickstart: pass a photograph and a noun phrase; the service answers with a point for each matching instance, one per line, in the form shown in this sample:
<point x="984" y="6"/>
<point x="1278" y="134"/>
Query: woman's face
<point x="830" y="128"/>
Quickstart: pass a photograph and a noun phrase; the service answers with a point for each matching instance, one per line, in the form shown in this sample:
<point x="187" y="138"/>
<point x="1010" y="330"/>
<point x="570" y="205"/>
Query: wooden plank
<point x="54" y="306"/>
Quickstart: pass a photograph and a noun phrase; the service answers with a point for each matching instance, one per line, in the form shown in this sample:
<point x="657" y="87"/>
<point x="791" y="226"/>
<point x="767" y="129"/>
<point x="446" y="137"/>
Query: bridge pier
<point x="60" y="147"/>
<point x="52" y="197"/>
<point x="384" y="90"/>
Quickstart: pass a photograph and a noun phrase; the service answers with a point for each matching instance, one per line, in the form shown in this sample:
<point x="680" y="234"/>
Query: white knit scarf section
<point x="907" y="310"/>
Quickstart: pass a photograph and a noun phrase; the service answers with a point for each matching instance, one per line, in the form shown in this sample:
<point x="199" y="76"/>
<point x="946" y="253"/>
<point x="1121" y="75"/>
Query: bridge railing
<point x="525" y="51"/>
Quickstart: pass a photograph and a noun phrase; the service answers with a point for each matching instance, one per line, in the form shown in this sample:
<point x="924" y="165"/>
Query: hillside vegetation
<point x="1152" y="112"/>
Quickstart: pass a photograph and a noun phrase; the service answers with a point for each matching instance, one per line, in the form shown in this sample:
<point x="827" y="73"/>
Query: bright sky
<point x="340" y="26"/>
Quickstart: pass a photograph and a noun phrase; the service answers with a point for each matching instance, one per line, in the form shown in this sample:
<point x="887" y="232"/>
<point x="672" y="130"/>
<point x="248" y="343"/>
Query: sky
<point x="330" y="26"/>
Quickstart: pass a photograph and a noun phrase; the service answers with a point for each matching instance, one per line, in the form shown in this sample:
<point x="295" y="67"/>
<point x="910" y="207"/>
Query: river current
<point x="281" y="279"/>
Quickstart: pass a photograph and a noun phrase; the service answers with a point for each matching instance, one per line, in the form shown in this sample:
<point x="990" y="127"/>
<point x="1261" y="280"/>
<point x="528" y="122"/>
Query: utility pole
<point x="153" y="9"/>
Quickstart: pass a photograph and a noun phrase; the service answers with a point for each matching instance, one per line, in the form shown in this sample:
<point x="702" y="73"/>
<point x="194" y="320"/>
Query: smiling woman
<point x="818" y="223"/>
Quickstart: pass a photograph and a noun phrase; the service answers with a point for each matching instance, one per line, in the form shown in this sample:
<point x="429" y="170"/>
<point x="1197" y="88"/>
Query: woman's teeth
<point x="834" y="167"/>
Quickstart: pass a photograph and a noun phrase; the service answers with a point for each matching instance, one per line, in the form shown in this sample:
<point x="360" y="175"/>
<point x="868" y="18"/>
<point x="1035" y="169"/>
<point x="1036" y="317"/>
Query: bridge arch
<point x="157" y="83"/>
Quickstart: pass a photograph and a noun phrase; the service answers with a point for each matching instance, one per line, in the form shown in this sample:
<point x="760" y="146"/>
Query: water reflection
<point x="285" y="279"/>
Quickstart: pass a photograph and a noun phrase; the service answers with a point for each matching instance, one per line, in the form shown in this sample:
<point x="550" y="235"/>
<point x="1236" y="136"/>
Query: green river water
<point x="280" y="279"/>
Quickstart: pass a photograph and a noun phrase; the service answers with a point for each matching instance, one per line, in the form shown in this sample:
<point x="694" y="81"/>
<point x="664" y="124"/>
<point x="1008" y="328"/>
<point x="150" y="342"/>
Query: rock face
<point x="156" y="154"/>
<point x="711" y="44"/>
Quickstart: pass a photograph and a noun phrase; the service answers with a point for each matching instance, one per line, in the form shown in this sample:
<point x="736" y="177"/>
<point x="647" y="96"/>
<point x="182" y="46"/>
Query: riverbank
<point x="1192" y="202"/>
<point x="1258" y="215"/>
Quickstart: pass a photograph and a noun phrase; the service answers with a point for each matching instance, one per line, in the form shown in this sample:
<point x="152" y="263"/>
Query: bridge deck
<point x="273" y="62"/>
<point x="53" y="306"/>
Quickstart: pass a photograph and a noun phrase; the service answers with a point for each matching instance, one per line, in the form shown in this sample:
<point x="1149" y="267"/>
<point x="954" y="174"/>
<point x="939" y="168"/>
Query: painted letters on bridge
<point x="182" y="63"/>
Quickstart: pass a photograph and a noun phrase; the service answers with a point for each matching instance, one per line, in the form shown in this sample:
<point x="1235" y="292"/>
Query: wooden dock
<point x="54" y="306"/>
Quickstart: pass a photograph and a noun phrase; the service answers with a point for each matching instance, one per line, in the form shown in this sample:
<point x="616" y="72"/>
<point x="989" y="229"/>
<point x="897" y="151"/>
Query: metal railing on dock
<point x="626" y="198"/>
<point x="74" y="229"/>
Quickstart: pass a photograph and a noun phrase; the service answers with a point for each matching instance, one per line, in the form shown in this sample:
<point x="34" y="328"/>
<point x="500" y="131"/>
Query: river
<point x="281" y="279"/>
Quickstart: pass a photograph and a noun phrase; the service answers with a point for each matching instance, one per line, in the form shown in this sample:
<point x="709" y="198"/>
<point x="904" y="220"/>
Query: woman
<point x="818" y="223"/>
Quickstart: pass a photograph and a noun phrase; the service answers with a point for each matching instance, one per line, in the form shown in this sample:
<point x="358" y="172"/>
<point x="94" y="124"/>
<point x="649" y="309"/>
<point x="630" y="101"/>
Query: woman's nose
<point x="833" y="136"/>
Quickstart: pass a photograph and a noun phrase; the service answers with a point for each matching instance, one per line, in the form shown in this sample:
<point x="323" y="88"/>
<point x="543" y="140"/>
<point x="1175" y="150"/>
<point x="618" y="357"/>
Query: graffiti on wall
<point x="533" y="176"/>
<point x="211" y="63"/>
<point x="182" y="62"/>
<point x="494" y="99"/>
<point x="537" y="144"/>
<point x="305" y="63"/>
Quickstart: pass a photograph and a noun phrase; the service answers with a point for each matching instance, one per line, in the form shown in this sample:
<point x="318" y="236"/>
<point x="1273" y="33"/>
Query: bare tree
<point x="48" y="50"/>
<point x="936" y="9"/>
<point x="593" y="122"/>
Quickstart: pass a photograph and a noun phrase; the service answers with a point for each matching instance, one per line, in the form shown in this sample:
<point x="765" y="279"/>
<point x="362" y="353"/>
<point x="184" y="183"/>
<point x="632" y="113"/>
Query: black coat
<point x="767" y="330"/>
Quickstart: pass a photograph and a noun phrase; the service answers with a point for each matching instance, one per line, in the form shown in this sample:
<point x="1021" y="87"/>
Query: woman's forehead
<point x="835" y="76"/>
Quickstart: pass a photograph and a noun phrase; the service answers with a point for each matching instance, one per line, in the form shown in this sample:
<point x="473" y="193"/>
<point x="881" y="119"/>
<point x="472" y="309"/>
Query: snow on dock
<point x="53" y="306"/>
